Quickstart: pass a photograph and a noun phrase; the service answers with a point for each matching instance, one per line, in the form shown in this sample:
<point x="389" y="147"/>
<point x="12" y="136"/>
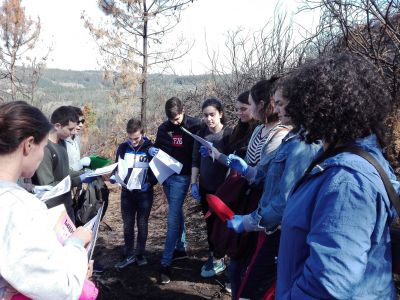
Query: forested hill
<point x="77" y="87"/>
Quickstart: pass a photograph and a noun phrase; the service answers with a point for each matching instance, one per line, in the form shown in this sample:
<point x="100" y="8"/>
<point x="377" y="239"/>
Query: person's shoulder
<point x="18" y="197"/>
<point x="164" y="125"/>
<point x="192" y="121"/>
<point x="227" y="130"/>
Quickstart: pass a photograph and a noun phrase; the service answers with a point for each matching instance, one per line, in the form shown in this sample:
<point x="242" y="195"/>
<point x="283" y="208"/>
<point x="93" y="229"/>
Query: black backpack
<point x="90" y="200"/>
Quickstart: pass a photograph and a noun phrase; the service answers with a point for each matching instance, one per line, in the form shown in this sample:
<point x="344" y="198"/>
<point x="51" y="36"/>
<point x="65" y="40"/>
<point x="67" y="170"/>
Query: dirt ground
<point x="136" y="282"/>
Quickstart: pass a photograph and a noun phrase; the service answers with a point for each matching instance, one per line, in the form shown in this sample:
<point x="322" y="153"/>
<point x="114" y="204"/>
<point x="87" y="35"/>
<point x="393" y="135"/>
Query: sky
<point x="74" y="49"/>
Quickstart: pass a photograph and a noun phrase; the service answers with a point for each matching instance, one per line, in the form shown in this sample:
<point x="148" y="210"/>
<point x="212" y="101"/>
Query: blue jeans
<point x="175" y="189"/>
<point x="135" y="205"/>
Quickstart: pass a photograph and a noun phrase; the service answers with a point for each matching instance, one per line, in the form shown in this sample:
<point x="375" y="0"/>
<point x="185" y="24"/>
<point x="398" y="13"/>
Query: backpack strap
<point x="393" y="197"/>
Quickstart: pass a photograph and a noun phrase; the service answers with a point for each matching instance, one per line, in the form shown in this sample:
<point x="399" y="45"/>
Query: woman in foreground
<point x="32" y="261"/>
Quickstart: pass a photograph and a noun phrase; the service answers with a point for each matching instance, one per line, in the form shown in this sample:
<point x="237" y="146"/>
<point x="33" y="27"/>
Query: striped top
<point x="253" y="154"/>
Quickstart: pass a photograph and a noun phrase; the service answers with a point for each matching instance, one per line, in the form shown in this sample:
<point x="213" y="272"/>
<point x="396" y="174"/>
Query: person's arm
<point x="296" y="162"/>
<point x="257" y="175"/>
<point x="339" y="242"/>
<point x="44" y="174"/>
<point x="163" y="140"/>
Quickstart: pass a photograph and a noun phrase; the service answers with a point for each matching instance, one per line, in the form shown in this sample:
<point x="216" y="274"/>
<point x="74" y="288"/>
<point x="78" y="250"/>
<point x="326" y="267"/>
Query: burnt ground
<point x="136" y="282"/>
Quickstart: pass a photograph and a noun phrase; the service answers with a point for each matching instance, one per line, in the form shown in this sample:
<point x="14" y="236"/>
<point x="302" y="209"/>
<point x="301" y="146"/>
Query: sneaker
<point x="208" y="264"/>
<point x="141" y="260"/>
<point x="126" y="262"/>
<point x="210" y="270"/>
<point x="165" y="275"/>
<point x="179" y="254"/>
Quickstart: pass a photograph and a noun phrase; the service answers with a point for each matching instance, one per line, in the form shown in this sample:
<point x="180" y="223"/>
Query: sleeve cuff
<point x="251" y="222"/>
<point x="251" y="174"/>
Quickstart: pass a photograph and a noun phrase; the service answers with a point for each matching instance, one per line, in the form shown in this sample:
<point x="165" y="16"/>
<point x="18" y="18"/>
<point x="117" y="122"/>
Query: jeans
<point x="175" y="189"/>
<point x="135" y="205"/>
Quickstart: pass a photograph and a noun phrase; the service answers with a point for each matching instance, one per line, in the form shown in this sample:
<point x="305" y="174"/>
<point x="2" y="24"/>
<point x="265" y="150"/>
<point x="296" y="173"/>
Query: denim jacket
<point x="286" y="165"/>
<point x="335" y="240"/>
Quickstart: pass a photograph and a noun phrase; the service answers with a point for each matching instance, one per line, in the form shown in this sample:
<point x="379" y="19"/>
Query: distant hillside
<point x="79" y="87"/>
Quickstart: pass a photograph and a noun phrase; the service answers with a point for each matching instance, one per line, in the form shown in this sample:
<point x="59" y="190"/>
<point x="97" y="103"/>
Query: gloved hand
<point x="195" y="191"/>
<point x="85" y="161"/>
<point x="112" y="179"/>
<point x="85" y="177"/>
<point x="204" y="151"/>
<point x="153" y="151"/>
<point x="236" y="223"/>
<point x="238" y="164"/>
<point x="145" y="187"/>
<point x="40" y="189"/>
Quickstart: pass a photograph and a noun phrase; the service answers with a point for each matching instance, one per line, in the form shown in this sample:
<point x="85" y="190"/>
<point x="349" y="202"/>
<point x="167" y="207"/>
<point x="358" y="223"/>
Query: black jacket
<point x="176" y="143"/>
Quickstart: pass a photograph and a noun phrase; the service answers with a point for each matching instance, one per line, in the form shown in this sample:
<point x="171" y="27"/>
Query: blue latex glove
<point x="145" y="187"/>
<point x="112" y="179"/>
<point x="236" y="223"/>
<point x="238" y="164"/>
<point x="204" y="151"/>
<point x="153" y="151"/>
<point x="85" y="179"/>
<point x="195" y="191"/>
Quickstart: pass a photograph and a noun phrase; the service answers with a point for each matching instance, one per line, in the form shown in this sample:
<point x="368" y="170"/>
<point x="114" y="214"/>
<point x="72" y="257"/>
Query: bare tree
<point x="251" y="56"/>
<point x="18" y="36"/>
<point x="370" y="29"/>
<point x="136" y="36"/>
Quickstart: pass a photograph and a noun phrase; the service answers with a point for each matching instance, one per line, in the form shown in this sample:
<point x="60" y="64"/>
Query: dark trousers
<point x="261" y="273"/>
<point x="135" y="205"/>
<point x="209" y="221"/>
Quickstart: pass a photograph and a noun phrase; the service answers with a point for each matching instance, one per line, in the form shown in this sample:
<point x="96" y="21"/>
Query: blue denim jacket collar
<point x="369" y="143"/>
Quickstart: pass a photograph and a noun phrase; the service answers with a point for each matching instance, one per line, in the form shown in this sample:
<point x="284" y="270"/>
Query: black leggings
<point x="209" y="221"/>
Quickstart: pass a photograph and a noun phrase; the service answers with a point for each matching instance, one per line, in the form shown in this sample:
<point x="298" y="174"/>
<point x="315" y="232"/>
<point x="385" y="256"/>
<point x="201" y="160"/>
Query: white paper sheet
<point x="103" y="171"/>
<point x="202" y="142"/>
<point x="93" y="225"/>
<point x="122" y="169"/>
<point x="136" y="179"/>
<point x="164" y="166"/>
<point x="61" y="188"/>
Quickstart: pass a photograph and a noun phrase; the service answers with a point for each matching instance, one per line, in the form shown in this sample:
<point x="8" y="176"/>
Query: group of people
<point x="319" y="214"/>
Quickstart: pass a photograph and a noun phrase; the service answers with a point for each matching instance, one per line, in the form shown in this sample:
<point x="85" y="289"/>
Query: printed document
<point x="64" y="186"/>
<point x="202" y="142"/>
<point x="164" y="166"/>
<point x="103" y="171"/>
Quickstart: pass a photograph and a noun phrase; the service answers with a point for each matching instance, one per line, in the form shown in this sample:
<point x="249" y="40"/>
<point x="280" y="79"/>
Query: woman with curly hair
<point x="335" y="240"/>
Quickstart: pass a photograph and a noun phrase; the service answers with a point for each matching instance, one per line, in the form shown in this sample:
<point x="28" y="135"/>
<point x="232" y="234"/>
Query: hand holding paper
<point x="87" y="177"/>
<point x="83" y="234"/>
<point x="153" y="151"/>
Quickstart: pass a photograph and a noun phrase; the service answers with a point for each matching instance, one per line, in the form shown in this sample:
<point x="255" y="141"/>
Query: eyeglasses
<point x="81" y="121"/>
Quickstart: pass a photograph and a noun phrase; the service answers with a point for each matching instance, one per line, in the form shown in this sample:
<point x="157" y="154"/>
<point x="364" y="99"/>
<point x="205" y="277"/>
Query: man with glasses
<point x="74" y="141"/>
